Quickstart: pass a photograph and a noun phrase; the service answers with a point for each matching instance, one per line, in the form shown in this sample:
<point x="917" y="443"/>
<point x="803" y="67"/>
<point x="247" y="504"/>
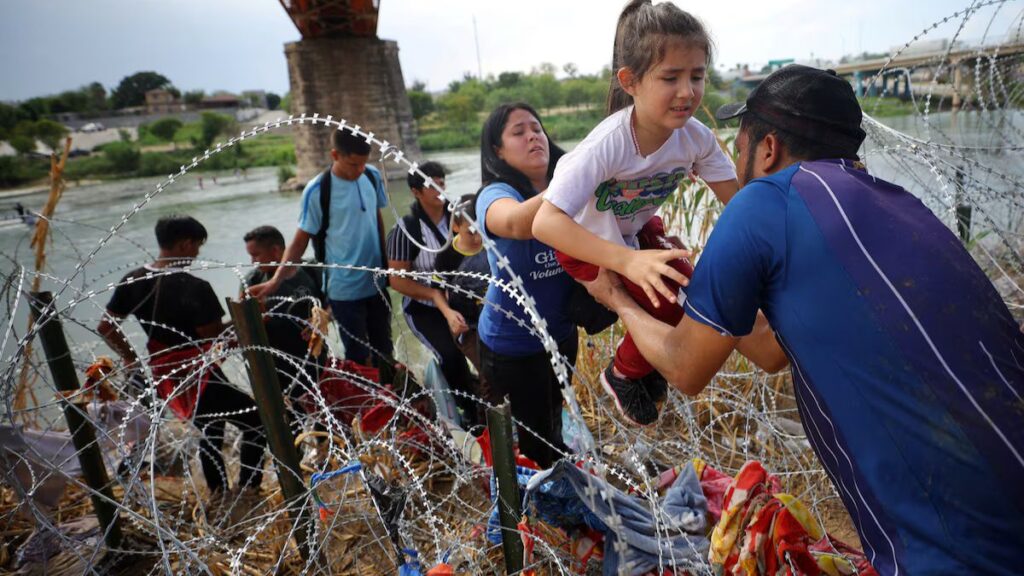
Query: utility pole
<point x="476" y="40"/>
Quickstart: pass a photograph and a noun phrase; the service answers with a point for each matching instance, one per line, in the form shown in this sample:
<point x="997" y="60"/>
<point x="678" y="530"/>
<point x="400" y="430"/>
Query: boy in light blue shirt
<point x="353" y="237"/>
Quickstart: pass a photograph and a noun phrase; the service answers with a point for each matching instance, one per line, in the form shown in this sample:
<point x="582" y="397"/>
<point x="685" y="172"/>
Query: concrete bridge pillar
<point x="358" y="79"/>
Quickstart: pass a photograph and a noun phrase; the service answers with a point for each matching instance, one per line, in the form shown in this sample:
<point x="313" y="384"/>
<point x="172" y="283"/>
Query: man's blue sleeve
<point x="309" y="216"/>
<point x="729" y="280"/>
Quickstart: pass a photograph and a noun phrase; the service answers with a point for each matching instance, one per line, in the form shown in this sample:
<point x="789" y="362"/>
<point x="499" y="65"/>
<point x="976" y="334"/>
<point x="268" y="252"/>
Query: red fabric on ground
<point x="346" y="399"/>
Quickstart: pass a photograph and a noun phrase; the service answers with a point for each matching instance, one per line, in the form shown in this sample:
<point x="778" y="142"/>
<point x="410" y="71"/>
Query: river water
<point x="237" y="204"/>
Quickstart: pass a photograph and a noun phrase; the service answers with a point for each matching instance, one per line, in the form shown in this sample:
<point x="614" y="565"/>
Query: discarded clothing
<point x="44" y="460"/>
<point x="568" y="497"/>
<point x="765" y="532"/>
<point x="350" y="389"/>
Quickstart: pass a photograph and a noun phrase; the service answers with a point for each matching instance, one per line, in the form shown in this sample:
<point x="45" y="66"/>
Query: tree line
<point x="29" y="119"/>
<point x="572" y="105"/>
<point x="467" y="97"/>
<point x="541" y="88"/>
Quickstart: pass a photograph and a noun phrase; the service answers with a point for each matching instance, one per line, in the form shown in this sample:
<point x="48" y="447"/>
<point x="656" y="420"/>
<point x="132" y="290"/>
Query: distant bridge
<point x="341" y="68"/>
<point x="897" y="71"/>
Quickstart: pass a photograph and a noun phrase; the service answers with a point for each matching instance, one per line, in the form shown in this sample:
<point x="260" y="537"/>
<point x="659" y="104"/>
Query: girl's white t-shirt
<point x="607" y="187"/>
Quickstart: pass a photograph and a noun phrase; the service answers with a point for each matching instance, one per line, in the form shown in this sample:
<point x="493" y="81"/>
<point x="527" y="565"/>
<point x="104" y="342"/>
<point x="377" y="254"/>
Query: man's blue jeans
<point x="364" y="321"/>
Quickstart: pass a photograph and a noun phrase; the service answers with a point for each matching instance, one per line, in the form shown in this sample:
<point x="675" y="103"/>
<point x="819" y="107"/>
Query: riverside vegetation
<point x="571" y="107"/>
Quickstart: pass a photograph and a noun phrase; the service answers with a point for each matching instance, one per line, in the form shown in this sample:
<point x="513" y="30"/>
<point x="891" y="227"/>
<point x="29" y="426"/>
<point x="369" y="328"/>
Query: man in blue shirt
<point x="906" y="363"/>
<point x="354" y="237"/>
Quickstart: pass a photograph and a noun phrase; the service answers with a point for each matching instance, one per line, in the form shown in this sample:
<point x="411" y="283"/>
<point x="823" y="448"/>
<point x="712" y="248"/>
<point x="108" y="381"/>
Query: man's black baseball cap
<point x="807" y="102"/>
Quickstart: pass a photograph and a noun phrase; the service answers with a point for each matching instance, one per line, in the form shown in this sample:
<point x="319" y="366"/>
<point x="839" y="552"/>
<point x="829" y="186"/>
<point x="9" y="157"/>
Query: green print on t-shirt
<point x="627" y="197"/>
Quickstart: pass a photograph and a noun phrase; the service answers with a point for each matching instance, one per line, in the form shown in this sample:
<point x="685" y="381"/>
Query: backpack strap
<point x="320" y="238"/>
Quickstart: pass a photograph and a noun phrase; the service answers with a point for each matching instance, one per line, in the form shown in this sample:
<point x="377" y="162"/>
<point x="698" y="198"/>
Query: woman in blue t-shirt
<point x="517" y="161"/>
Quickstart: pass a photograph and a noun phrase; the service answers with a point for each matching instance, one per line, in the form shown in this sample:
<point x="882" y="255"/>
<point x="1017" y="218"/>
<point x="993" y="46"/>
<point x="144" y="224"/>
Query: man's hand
<point x="645" y="268"/>
<point x="261" y="291"/>
<point x="607" y="289"/>
<point x="456" y="323"/>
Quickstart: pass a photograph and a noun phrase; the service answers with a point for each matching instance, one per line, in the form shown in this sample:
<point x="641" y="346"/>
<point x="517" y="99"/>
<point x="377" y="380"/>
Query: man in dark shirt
<point x="181" y="316"/>
<point x="287" y="315"/>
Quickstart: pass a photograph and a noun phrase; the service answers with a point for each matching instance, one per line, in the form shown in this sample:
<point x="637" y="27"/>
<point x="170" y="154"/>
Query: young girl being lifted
<point x="599" y="209"/>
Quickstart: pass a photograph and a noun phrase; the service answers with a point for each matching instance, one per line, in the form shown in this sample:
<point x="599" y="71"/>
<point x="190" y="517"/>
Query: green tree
<point x="520" y="93"/>
<point x="547" y="89"/>
<point x="545" y="68"/>
<point x="211" y="125"/>
<point x="123" y="156"/>
<point x="422" y="103"/>
<point x="457" y="108"/>
<point x="273" y="101"/>
<point x="69" y="101"/>
<point x="132" y="89"/>
<point x="194" y="97"/>
<point x="286" y="102"/>
<point x="165" y="128"/>
<point x="97" y="97"/>
<point x="476" y="91"/>
<point x="50" y="133"/>
<point x="570" y="70"/>
<point x="715" y="79"/>
<point x="509" y="79"/>
<point x="597" y="90"/>
<point x="9" y="118"/>
<point x="23" y="143"/>
<point x="575" y="92"/>
<point x="35" y="108"/>
<point x="23" y="137"/>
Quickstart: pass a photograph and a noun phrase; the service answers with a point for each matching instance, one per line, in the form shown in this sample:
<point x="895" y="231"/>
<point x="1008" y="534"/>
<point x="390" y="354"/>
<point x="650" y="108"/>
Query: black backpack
<point x="320" y="238"/>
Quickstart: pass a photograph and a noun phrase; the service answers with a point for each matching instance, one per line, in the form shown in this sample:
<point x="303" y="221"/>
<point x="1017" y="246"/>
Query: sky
<point x="47" y="46"/>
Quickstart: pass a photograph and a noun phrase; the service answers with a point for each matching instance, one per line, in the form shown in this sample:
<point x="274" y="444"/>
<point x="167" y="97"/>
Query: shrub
<point x="284" y="174"/>
<point x="123" y="156"/>
<point x="15" y="171"/>
<point x="164" y="128"/>
<point x="156" y="164"/>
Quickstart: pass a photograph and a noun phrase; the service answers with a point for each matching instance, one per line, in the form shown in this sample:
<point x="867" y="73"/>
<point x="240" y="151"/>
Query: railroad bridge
<point x="340" y="67"/>
<point x="945" y="71"/>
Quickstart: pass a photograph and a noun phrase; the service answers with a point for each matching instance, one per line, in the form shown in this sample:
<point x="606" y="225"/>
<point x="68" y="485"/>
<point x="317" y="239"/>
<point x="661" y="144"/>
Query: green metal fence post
<point x="499" y="422"/>
<point x="62" y="368"/>
<point x="270" y="402"/>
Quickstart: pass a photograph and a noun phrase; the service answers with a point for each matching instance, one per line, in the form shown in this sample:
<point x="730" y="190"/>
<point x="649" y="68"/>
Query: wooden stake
<point x="39" y="235"/>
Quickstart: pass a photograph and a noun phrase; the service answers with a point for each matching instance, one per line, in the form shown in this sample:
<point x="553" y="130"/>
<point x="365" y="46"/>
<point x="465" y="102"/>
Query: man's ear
<point x="769" y="154"/>
<point x="335" y="155"/>
<point x="626" y="79"/>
